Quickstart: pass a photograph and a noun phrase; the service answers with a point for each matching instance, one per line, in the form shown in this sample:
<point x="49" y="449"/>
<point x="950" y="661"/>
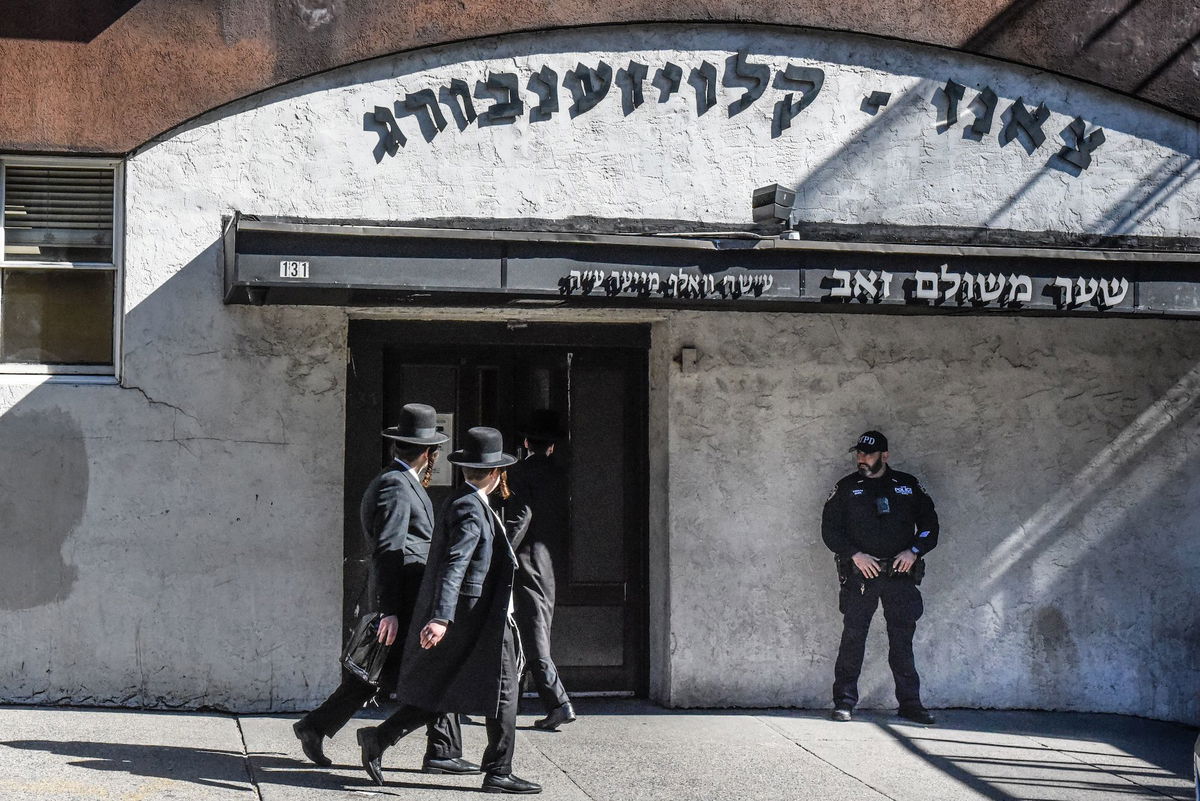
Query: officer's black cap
<point x="870" y="442"/>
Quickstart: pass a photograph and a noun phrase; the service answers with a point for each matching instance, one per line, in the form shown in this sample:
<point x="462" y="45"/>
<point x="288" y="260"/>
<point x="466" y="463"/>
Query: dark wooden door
<point x="600" y="393"/>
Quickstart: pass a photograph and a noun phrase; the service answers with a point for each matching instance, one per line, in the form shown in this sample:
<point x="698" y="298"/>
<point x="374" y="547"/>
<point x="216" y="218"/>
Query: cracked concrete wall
<point x="192" y="554"/>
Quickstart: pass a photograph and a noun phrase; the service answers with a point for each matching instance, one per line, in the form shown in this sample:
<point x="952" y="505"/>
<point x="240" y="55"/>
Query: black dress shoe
<point x="509" y="783"/>
<point x="311" y="743"/>
<point x="455" y="765"/>
<point x="918" y="715"/>
<point x="372" y="753"/>
<point x="841" y="714"/>
<point x="559" y="716"/>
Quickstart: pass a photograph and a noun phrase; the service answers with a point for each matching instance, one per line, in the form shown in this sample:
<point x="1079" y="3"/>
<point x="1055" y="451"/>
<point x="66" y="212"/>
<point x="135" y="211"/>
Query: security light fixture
<point x="773" y="204"/>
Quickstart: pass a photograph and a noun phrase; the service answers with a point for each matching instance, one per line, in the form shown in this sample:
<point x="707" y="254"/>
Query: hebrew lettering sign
<point x="509" y="96"/>
<point x="952" y="288"/>
<point x="678" y="284"/>
<point x="382" y="266"/>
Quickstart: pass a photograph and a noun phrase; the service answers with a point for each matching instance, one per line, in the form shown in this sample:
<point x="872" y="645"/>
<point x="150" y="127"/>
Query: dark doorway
<point x="495" y="374"/>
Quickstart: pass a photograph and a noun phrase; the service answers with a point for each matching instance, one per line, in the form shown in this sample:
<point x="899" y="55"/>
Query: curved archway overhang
<point x="872" y="169"/>
<point x="161" y="63"/>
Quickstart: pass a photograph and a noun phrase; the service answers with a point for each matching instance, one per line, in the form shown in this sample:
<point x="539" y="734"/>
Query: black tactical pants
<point x="902" y="607"/>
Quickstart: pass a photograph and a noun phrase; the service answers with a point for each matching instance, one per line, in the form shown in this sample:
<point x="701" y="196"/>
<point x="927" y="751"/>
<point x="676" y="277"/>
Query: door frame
<point x="364" y="451"/>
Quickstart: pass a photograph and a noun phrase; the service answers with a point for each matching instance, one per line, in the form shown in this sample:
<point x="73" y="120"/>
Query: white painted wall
<point x="1062" y="456"/>
<point x="180" y="535"/>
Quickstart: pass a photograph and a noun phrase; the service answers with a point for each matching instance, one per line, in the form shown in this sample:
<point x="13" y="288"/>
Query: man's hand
<point x="432" y="634"/>
<point x="389" y="627"/>
<point x="904" y="561"/>
<point x="866" y="564"/>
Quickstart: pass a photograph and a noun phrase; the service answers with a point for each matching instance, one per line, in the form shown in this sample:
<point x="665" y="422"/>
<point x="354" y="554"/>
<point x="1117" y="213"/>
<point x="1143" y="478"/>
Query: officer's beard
<point x="870" y="468"/>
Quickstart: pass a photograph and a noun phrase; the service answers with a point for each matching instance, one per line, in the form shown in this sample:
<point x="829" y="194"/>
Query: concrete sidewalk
<point x="617" y="750"/>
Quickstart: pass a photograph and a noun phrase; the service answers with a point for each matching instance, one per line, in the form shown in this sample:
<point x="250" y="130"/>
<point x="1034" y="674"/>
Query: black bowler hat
<point x="417" y="426"/>
<point x="544" y="424"/>
<point x="870" y="442"/>
<point x="482" y="447"/>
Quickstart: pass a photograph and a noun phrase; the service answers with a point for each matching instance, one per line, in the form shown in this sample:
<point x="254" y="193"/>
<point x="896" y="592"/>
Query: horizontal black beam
<point x="307" y="263"/>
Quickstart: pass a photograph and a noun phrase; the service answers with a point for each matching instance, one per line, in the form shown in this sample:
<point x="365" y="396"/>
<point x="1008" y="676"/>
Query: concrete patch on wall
<point x="1054" y="656"/>
<point x="43" y="491"/>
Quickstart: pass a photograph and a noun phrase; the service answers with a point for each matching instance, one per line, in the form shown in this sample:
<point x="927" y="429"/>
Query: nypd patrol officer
<point x="879" y="523"/>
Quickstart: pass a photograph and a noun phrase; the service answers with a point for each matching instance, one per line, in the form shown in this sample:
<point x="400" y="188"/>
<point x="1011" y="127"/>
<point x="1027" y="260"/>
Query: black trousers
<point x="444" y="734"/>
<point x="902" y="607"/>
<point x="501" y="730"/>
<point x="534" y="614"/>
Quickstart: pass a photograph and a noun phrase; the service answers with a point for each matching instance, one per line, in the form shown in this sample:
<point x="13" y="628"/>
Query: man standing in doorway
<point x="879" y="523"/>
<point x="540" y="483"/>
<point x="466" y="657"/>
<point x="397" y="520"/>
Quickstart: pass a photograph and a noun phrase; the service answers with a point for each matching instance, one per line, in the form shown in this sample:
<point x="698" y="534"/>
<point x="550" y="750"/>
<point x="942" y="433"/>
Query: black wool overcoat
<point x="541" y="484"/>
<point x="397" y="522"/>
<point x="468" y="581"/>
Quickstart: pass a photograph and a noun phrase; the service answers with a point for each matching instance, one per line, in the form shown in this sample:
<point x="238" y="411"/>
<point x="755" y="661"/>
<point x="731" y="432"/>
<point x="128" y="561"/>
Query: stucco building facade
<point x="981" y="249"/>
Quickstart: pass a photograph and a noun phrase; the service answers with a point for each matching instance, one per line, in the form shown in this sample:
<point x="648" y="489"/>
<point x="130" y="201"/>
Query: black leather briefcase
<point x="364" y="654"/>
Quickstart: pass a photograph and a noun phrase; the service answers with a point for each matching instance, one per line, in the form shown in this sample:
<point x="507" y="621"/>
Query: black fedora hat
<point x="483" y="447"/>
<point x="417" y="426"/>
<point x="544" y="424"/>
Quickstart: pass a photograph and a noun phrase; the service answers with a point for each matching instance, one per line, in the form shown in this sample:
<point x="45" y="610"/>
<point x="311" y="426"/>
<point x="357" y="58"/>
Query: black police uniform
<point x="881" y="517"/>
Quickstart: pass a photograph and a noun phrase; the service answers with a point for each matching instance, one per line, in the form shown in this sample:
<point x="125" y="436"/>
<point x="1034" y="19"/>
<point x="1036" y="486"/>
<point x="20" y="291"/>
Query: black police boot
<point x="841" y="714"/>
<point x="917" y="714"/>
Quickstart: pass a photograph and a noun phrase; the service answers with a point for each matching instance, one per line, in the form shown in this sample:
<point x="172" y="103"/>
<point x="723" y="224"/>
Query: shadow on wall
<point x="201" y="512"/>
<point x="62" y="20"/>
<point x="43" y="492"/>
<point x="1105" y="34"/>
<point x="1063" y="477"/>
<point x="1146" y="193"/>
<point x="1113" y="506"/>
<point x="1108" y="498"/>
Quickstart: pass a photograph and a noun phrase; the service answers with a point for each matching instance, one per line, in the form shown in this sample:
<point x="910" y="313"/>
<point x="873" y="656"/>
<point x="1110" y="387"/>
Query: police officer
<point x="879" y="523"/>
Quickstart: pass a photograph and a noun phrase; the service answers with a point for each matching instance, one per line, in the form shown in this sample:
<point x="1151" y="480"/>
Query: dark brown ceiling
<point x="107" y="76"/>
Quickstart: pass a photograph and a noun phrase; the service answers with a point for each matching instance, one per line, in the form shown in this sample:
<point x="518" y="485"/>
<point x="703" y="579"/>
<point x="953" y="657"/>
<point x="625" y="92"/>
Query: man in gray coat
<point x="397" y="520"/>
<point x="466" y="656"/>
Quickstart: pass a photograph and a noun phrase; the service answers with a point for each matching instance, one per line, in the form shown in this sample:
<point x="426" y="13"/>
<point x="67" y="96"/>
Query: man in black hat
<point x="879" y="523"/>
<point x="466" y="656"/>
<point x="541" y="484"/>
<point x="397" y="520"/>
